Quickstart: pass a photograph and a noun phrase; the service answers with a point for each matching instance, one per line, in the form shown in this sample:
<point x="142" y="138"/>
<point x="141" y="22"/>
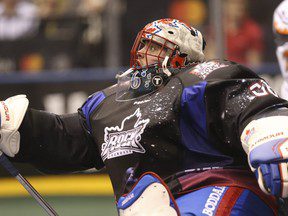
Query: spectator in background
<point x="18" y="19"/>
<point x="280" y="29"/>
<point x="244" y="37"/>
<point x="189" y="11"/>
<point x="77" y="22"/>
<point x="92" y="40"/>
<point x="56" y="8"/>
<point x="93" y="11"/>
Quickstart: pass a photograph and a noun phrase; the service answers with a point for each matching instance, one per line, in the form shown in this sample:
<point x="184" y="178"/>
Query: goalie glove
<point x="12" y="112"/>
<point x="266" y="143"/>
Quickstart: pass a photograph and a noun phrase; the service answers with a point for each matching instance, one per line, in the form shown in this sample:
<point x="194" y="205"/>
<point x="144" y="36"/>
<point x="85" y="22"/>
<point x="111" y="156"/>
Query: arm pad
<point x="265" y="140"/>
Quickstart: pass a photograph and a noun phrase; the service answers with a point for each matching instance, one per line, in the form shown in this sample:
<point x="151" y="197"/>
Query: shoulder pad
<point x="215" y="69"/>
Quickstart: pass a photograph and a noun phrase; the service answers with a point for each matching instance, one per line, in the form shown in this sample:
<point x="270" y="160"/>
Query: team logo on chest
<point x="124" y="140"/>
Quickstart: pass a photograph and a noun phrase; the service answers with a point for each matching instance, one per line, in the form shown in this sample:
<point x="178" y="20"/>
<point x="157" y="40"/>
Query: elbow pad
<point x="266" y="143"/>
<point x="263" y="131"/>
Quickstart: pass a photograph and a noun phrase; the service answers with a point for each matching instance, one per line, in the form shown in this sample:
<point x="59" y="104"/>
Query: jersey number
<point x="261" y="89"/>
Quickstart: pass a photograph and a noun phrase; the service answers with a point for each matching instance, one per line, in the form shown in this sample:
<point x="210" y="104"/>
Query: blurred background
<point x="58" y="52"/>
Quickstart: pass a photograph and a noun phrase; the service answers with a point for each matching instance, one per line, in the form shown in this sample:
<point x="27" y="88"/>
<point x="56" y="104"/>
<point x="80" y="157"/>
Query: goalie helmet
<point x="280" y="29"/>
<point x="167" y="40"/>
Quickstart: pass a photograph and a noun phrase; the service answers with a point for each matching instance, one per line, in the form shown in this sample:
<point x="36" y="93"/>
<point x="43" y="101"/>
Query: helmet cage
<point x="144" y="38"/>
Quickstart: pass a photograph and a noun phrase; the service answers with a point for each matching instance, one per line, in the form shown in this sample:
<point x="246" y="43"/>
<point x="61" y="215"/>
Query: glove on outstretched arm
<point x="12" y="112"/>
<point x="266" y="143"/>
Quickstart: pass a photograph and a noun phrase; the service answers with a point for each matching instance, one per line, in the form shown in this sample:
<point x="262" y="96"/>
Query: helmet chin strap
<point x="164" y="66"/>
<point x="124" y="74"/>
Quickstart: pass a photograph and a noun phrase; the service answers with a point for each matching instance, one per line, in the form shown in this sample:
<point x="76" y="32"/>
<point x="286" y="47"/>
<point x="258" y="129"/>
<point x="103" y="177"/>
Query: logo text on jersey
<point x="204" y="69"/>
<point x="124" y="140"/>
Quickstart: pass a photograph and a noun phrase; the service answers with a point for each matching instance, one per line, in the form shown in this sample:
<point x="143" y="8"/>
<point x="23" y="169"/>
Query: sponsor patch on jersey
<point x="204" y="69"/>
<point x="124" y="140"/>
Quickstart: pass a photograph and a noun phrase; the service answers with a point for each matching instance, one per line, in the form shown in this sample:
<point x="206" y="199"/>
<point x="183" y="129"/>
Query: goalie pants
<point x="220" y="201"/>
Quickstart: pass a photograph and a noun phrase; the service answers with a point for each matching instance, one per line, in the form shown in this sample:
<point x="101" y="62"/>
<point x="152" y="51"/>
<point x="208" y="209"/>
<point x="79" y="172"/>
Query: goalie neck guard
<point x="135" y="83"/>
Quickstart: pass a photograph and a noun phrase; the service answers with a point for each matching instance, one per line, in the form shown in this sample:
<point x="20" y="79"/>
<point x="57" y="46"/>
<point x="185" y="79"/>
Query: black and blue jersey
<point x="192" y="122"/>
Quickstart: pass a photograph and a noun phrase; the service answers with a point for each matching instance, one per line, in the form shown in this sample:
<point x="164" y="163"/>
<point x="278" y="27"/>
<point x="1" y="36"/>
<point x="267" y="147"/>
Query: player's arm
<point x="263" y="130"/>
<point x="250" y="116"/>
<point x="48" y="141"/>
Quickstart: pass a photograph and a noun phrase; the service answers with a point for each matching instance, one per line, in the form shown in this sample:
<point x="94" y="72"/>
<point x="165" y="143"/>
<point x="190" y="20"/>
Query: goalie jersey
<point x="192" y="123"/>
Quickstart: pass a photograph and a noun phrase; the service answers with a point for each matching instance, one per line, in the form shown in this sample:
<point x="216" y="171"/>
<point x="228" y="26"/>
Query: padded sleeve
<point x="56" y="143"/>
